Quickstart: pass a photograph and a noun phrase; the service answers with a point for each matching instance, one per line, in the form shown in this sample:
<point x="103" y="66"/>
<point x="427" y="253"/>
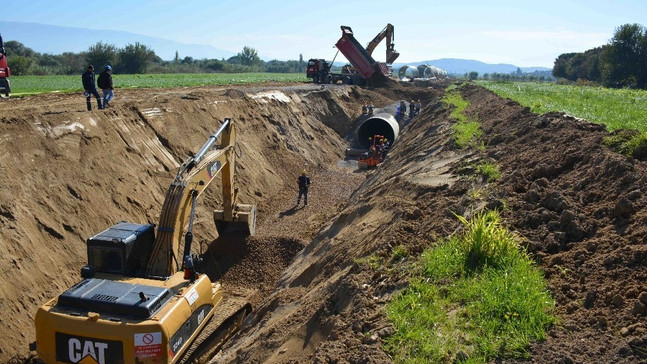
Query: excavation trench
<point x="125" y="159"/>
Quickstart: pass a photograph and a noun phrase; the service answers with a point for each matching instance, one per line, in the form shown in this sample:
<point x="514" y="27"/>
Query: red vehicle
<point x="362" y="67"/>
<point x="319" y="70"/>
<point x="374" y="155"/>
<point x="5" y="87"/>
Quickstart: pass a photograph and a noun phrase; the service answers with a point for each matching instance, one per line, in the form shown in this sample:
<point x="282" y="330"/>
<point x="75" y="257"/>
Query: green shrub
<point x="489" y="171"/>
<point x="478" y="297"/>
<point x="628" y="142"/>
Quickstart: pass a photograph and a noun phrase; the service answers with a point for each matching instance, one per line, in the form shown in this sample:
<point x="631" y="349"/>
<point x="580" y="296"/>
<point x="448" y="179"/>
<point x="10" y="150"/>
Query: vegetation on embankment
<point x="466" y="129"/>
<point x="477" y="296"/>
<point x="617" y="109"/>
<point x="30" y="85"/>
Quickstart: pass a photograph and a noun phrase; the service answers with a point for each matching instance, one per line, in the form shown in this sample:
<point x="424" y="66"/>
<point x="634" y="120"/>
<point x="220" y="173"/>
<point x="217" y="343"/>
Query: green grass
<point x="478" y="297"/>
<point x="489" y="171"/>
<point x="466" y="130"/>
<point x="29" y="85"/>
<point x="615" y="108"/>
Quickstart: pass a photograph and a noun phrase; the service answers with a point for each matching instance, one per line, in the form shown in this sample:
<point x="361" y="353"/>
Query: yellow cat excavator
<point x="388" y="33"/>
<point x="141" y="299"/>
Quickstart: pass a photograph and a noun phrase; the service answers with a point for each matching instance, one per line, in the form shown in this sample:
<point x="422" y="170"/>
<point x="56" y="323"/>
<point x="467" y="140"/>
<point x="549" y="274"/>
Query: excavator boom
<point x="388" y="33"/>
<point x="192" y="179"/>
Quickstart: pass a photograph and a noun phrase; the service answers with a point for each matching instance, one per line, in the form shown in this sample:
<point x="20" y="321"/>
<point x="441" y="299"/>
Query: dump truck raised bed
<point x="362" y="68"/>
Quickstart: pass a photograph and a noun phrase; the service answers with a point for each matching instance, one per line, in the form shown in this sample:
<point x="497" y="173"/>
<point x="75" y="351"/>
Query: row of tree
<point x="536" y="76"/>
<point x="620" y="63"/>
<point x="137" y="58"/>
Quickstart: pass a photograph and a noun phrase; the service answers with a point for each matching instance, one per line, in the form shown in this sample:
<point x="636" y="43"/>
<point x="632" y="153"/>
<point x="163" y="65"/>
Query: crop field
<point x="29" y="85"/>
<point x="615" y="108"/>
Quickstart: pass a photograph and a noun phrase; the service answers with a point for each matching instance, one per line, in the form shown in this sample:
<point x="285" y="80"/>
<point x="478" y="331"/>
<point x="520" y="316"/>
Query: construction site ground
<point x="580" y="208"/>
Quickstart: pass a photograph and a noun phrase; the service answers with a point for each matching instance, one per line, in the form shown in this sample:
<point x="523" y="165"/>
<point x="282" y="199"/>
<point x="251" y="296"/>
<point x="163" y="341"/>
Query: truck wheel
<point x="347" y="80"/>
<point x="326" y="79"/>
<point x="315" y="79"/>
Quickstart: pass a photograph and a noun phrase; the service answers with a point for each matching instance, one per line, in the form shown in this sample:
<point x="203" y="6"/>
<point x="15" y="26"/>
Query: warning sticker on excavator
<point x="192" y="296"/>
<point x="148" y="345"/>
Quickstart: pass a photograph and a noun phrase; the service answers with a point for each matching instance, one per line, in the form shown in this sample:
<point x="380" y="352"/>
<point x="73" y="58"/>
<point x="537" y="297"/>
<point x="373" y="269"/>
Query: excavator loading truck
<point x="142" y="299"/>
<point x="362" y="65"/>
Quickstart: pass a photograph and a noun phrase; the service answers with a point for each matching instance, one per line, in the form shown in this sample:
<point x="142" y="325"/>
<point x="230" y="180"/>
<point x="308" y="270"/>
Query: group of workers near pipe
<point x="414" y="108"/>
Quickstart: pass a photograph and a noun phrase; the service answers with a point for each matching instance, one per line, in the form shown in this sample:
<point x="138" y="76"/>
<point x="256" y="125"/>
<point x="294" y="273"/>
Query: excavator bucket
<point x="243" y="221"/>
<point x="391" y="56"/>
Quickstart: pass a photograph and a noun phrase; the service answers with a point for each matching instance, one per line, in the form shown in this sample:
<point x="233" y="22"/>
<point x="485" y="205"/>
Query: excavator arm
<point x="193" y="177"/>
<point x="388" y="33"/>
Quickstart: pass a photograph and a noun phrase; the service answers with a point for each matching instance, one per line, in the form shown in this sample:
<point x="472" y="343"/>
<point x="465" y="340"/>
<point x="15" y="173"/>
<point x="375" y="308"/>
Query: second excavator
<point x="141" y="299"/>
<point x="388" y="34"/>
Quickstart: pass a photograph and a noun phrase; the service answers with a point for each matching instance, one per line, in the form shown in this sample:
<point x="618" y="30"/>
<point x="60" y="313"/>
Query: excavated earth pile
<point x="323" y="273"/>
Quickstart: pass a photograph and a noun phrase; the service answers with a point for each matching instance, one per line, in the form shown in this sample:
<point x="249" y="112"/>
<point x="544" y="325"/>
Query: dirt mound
<point x="582" y="209"/>
<point x="560" y="189"/>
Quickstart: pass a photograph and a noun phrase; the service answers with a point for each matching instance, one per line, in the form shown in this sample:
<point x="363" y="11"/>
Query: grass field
<point x="616" y="108"/>
<point x="29" y="85"/>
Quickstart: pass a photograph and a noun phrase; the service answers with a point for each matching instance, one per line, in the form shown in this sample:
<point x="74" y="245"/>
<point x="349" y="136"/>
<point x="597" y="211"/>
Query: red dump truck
<point x="363" y="65"/>
<point x="5" y="87"/>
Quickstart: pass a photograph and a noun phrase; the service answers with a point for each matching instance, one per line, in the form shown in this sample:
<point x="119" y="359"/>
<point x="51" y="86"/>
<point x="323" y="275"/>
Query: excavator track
<point x="225" y="322"/>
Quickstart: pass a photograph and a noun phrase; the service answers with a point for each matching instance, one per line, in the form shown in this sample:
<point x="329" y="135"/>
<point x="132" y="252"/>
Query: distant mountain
<point x="55" y="39"/>
<point x="462" y="66"/>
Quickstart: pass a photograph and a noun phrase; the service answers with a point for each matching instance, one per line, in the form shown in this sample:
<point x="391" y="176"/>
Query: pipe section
<point x="408" y="73"/>
<point x="383" y="124"/>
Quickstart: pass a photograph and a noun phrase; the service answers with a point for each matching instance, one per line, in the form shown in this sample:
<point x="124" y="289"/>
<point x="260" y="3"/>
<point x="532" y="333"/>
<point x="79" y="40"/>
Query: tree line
<point x="620" y="63"/>
<point x="137" y="58"/>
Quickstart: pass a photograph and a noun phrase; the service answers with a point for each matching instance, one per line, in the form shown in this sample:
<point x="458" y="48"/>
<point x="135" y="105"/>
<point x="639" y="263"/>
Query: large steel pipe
<point x="407" y="73"/>
<point x="383" y="124"/>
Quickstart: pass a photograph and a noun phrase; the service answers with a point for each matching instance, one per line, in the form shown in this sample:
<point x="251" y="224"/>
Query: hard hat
<point x="370" y="138"/>
<point x="303" y="172"/>
<point x="109" y="68"/>
<point x="412" y="101"/>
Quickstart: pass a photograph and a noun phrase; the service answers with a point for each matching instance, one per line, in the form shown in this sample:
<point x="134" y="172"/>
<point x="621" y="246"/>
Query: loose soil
<point x="580" y="208"/>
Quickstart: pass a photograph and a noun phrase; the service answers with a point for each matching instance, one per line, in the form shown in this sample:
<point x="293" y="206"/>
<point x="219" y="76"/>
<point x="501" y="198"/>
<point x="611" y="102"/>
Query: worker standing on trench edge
<point x="304" y="184"/>
<point x="90" y="88"/>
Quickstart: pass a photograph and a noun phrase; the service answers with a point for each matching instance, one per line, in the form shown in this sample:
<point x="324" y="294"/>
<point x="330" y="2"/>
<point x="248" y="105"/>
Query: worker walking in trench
<point x="304" y="184"/>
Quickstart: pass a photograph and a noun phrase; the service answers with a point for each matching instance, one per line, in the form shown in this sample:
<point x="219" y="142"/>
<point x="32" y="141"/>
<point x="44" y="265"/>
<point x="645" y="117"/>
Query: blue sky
<point x="522" y="33"/>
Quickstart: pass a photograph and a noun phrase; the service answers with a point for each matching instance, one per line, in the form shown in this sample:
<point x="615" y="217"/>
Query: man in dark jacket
<point x="90" y="87"/>
<point x="304" y="183"/>
<point x="105" y="84"/>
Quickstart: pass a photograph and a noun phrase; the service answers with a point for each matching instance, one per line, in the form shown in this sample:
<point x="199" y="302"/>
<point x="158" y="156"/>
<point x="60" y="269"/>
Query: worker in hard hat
<point x="418" y="106"/>
<point x="364" y="109"/>
<point x="304" y="184"/>
<point x="370" y="108"/>
<point x="412" y="107"/>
